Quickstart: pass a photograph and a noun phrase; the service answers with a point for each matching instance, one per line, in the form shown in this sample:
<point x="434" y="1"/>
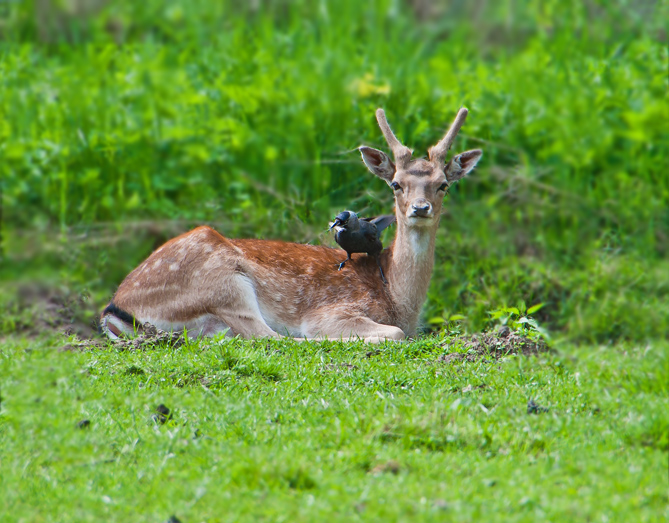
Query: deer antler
<point x="438" y="153"/>
<point x="401" y="153"/>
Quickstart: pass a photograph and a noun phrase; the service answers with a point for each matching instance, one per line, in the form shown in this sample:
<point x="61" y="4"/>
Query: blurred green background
<point x="124" y="123"/>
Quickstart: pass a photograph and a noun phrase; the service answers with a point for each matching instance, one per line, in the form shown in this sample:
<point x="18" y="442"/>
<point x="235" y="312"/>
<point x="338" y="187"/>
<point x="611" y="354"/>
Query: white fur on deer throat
<point x="419" y="240"/>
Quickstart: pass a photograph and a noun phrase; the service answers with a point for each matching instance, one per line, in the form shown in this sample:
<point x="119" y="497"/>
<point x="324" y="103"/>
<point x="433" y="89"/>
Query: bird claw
<point x="341" y="265"/>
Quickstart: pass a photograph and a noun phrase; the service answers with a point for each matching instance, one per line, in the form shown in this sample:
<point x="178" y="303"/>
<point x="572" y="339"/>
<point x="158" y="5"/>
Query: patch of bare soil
<point x="391" y="466"/>
<point x="38" y="308"/>
<point x="147" y="337"/>
<point x="494" y="345"/>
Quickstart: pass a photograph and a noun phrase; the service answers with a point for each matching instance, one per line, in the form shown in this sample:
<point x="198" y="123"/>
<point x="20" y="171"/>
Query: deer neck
<point x="410" y="271"/>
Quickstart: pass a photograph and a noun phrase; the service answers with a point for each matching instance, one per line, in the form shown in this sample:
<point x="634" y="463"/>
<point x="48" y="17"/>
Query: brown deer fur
<point x="206" y="283"/>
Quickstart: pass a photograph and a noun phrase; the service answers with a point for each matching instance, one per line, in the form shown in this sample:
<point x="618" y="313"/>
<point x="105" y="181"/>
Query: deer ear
<point x="461" y="164"/>
<point x="378" y="162"/>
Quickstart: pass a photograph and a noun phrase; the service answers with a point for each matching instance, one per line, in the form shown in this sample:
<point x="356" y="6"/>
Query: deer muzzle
<point x="420" y="208"/>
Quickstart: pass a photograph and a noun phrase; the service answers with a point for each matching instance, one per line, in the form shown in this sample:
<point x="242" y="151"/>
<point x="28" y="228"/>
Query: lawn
<point x="285" y="431"/>
<point x="123" y="124"/>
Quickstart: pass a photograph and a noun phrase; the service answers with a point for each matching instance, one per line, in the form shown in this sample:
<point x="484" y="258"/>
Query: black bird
<point x="355" y="234"/>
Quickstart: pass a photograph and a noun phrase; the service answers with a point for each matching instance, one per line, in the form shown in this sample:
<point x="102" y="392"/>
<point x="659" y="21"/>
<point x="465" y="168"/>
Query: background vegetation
<point x="124" y="123"/>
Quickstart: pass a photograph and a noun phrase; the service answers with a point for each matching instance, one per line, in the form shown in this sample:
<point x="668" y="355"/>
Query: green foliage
<point x="519" y="319"/>
<point x="247" y="117"/>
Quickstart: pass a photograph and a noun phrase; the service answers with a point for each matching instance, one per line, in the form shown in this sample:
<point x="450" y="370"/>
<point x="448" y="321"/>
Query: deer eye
<point x="396" y="186"/>
<point x="443" y="186"/>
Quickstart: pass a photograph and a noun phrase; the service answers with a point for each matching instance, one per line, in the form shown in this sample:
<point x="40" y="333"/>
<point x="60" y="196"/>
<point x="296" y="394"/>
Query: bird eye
<point x="396" y="186"/>
<point x="443" y="186"/>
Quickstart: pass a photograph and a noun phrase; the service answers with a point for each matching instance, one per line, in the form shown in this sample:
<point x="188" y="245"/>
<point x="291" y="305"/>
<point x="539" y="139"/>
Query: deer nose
<point x="421" y="207"/>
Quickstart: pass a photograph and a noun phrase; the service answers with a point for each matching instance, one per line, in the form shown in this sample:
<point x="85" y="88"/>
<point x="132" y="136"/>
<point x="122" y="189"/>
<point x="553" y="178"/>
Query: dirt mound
<point x="493" y="345"/>
<point x="490" y="345"/>
<point x="147" y="337"/>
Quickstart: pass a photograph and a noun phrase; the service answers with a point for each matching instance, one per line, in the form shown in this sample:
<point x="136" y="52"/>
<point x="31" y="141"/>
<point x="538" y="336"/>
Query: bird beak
<point x="335" y="223"/>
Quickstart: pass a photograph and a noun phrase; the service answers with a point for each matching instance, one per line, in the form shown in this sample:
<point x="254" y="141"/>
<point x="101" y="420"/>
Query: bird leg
<point x="341" y="265"/>
<point x="378" y="262"/>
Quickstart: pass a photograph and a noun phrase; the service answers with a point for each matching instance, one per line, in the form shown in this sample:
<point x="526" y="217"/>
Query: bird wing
<point x="371" y="236"/>
<point x="382" y="222"/>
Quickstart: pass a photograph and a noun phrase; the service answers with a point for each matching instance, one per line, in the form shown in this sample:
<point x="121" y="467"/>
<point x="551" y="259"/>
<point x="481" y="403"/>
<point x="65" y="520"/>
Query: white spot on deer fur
<point x="174" y="266"/>
<point x="157" y="263"/>
<point x="208" y="248"/>
<point x="136" y="284"/>
<point x="212" y="263"/>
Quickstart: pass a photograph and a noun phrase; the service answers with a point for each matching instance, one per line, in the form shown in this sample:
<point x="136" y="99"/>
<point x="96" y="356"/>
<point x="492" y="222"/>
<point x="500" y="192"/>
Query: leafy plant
<point x="519" y="319"/>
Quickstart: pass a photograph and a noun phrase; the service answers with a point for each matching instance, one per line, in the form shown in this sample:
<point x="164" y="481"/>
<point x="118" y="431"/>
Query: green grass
<point x="285" y="431"/>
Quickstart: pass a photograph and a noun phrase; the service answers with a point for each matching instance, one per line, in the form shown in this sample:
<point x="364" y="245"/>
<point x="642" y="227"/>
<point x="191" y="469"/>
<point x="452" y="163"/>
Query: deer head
<point x="419" y="184"/>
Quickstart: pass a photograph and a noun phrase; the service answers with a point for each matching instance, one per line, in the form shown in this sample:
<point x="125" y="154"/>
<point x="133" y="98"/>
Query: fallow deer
<point x="207" y="284"/>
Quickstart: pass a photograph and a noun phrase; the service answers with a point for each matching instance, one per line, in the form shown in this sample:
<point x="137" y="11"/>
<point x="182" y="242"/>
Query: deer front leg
<point x="333" y="326"/>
